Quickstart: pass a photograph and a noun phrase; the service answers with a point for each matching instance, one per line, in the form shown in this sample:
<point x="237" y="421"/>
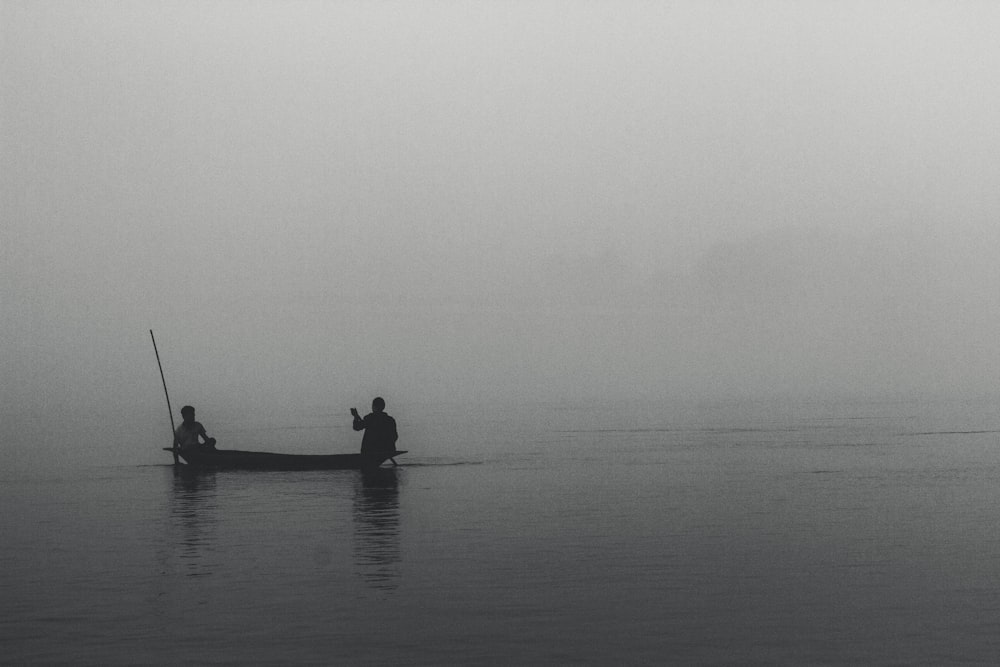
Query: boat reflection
<point x="193" y="510"/>
<point x="376" y="528"/>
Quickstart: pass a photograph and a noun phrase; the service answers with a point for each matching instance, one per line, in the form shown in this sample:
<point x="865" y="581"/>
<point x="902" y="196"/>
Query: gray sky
<point x="318" y="201"/>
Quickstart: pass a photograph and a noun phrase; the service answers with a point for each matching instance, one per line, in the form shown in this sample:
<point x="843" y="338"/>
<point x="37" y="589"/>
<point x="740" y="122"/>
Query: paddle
<point x="173" y="431"/>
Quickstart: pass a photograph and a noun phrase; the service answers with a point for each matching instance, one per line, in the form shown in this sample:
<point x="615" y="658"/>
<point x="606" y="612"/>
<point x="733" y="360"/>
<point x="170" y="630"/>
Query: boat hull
<point x="240" y="460"/>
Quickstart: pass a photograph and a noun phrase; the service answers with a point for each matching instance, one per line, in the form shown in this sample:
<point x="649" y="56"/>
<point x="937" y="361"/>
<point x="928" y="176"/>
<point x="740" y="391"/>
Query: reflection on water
<point x="193" y="510"/>
<point x="208" y="520"/>
<point x="376" y="528"/>
<point x="727" y="538"/>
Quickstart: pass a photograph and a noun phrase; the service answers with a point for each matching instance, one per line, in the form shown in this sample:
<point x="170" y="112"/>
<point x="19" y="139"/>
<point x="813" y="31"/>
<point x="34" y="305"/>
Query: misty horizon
<point x="435" y="201"/>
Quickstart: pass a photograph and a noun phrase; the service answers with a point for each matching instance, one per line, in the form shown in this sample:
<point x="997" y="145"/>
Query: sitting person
<point x="187" y="434"/>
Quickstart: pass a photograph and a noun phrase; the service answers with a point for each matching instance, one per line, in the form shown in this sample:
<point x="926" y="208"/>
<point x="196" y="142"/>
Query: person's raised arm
<point x="359" y="423"/>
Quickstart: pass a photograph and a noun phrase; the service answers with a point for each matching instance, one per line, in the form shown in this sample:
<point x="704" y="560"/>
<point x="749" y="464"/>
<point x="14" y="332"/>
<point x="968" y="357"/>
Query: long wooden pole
<point x="173" y="442"/>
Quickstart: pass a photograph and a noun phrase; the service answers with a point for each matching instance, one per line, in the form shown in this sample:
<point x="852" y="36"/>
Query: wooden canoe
<point x="240" y="460"/>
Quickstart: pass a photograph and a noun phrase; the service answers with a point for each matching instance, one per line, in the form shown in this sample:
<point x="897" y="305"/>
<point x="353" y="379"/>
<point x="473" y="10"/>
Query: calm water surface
<point x="849" y="533"/>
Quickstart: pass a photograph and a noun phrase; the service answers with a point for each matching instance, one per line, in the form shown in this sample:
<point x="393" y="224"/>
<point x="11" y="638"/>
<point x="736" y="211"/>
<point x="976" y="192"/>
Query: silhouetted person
<point x="187" y="434"/>
<point x="380" y="430"/>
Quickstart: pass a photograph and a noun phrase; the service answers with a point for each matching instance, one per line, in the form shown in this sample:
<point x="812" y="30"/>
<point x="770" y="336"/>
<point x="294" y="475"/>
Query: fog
<point x="315" y="202"/>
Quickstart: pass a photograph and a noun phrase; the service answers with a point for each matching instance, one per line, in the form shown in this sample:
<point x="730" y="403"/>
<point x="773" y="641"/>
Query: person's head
<point x="378" y="405"/>
<point x="187" y="412"/>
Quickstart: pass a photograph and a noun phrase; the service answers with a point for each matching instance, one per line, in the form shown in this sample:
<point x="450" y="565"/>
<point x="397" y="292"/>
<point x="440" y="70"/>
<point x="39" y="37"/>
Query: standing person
<point x="380" y="430"/>
<point x="187" y="434"/>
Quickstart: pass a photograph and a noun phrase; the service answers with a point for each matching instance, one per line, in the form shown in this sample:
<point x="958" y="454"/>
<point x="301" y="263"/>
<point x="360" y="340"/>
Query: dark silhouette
<point x="187" y="434"/>
<point x="380" y="430"/>
<point x="379" y="445"/>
